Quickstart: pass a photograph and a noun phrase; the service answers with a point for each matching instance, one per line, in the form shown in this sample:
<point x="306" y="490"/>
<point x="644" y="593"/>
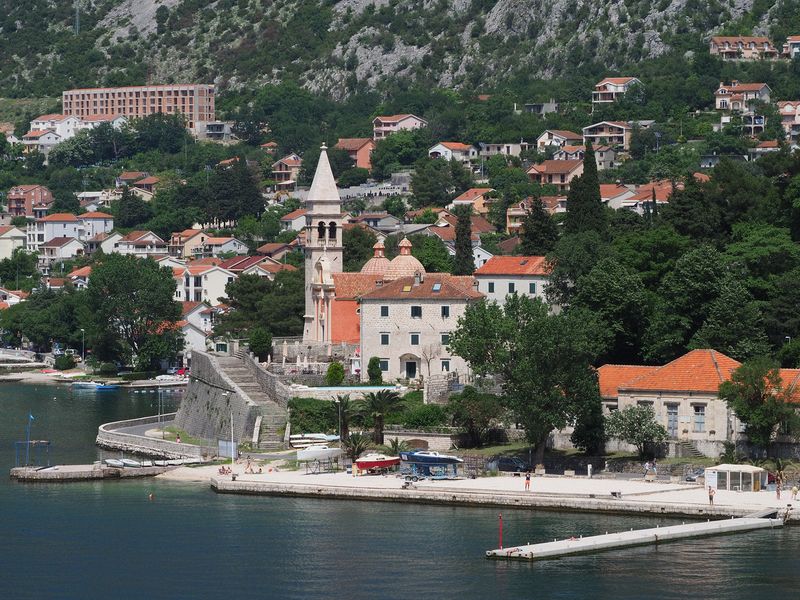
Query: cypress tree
<point x="585" y="210"/>
<point x="464" y="264"/>
<point x="539" y="233"/>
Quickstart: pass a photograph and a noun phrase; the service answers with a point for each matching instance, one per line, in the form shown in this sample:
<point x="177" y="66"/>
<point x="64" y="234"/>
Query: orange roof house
<point x="359" y="150"/>
<point x="556" y="172"/>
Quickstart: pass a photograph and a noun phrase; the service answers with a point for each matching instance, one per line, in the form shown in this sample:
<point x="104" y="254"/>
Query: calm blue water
<point x="106" y="540"/>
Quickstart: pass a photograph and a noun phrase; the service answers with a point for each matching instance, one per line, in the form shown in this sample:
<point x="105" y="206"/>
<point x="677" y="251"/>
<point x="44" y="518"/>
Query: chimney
<point x="417" y="278"/>
<point x="378" y="283"/>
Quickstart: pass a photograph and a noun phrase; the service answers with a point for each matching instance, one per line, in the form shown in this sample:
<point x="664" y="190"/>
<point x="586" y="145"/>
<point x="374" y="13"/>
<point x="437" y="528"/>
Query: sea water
<point x="108" y="540"/>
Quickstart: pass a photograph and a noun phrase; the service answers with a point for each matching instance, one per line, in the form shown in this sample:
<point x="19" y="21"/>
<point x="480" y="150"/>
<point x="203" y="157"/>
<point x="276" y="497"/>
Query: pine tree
<point x="464" y="264"/>
<point x="132" y="210"/>
<point x="539" y="233"/>
<point x="585" y="210"/>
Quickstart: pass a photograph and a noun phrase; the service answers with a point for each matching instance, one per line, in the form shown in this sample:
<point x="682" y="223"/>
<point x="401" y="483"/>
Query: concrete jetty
<point x="69" y="473"/>
<point x="626" y="539"/>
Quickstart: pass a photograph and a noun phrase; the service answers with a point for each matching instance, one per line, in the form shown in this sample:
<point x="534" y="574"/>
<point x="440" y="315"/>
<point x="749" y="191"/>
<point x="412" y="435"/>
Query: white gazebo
<point x="739" y="478"/>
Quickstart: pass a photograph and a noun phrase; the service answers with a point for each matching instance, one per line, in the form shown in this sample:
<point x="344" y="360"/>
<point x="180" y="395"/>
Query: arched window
<point x="321" y="231"/>
<point x="332" y="230"/>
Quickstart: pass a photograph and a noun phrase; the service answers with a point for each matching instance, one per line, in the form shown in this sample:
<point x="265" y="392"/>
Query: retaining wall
<point x="109" y="437"/>
<point x="205" y="410"/>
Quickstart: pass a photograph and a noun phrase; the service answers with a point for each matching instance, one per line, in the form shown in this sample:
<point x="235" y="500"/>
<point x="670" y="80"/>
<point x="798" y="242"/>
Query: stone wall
<point x="205" y="410"/>
<point x="109" y="437"/>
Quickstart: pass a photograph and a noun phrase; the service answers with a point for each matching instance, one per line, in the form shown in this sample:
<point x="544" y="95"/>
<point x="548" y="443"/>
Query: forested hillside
<point x="343" y="47"/>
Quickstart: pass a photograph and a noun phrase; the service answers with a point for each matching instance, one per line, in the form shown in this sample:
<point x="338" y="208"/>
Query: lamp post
<point x="83" y="347"/>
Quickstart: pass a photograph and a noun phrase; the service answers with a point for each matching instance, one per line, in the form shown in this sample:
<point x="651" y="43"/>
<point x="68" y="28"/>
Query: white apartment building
<point x="387" y="125"/>
<point x="504" y="275"/>
<point x="142" y="244"/>
<point x="60" y="225"/>
<point x="201" y="283"/>
<point x="11" y="238"/>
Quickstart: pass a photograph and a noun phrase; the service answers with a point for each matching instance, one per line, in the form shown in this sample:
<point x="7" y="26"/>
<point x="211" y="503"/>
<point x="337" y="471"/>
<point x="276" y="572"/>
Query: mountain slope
<point x="337" y="47"/>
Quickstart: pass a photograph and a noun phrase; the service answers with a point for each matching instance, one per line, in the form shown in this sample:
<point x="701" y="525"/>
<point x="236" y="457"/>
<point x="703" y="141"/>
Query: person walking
<point x="647" y="466"/>
<point x="655" y="468"/>
<point x="794" y="492"/>
<point x="711" y="492"/>
<point x="528" y="481"/>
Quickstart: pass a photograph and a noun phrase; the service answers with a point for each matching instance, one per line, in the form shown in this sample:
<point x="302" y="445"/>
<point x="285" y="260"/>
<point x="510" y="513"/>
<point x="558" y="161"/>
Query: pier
<point x="69" y="473"/>
<point x="627" y="539"/>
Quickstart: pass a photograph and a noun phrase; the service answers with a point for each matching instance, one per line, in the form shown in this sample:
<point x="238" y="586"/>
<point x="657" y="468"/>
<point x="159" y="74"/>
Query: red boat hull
<point x="377" y="464"/>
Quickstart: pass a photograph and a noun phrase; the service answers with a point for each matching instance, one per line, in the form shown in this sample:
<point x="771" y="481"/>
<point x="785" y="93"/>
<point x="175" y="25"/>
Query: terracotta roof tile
<point x="515" y="265"/>
<point x="352" y="144"/>
<point x="569" y="135"/>
<point x="556" y="166"/>
<point x="59" y="218"/>
<point x="96" y="215"/>
<point x="354" y="285"/>
<point x="611" y="377"/>
<point x="451" y="288"/>
<point x="471" y="194"/>
<point x="294" y="214"/>
<point x="271" y="248"/>
<point x="696" y="371"/>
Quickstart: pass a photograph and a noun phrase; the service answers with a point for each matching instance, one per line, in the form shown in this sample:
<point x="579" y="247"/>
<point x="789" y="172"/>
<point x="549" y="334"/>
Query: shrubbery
<point x="64" y="362"/>
<point x="335" y="374"/>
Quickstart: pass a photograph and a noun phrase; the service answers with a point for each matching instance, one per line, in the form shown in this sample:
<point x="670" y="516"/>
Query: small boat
<point x="89" y="385"/>
<point x="129" y="462"/>
<point x="113" y="462"/>
<point x="105" y="387"/>
<point x="377" y="461"/>
<point x="426" y="457"/>
<point x="307" y="439"/>
<point x="319" y="452"/>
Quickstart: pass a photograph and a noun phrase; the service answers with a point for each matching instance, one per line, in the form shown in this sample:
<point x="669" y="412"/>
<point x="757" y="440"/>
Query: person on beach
<point x="178" y="438"/>
<point x="655" y="468"/>
<point x="711" y="492"/>
<point x="528" y="481"/>
<point x="646" y="468"/>
<point x="794" y="493"/>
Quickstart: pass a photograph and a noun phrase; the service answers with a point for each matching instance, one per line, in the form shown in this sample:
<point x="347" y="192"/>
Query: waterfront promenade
<point x="549" y="492"/>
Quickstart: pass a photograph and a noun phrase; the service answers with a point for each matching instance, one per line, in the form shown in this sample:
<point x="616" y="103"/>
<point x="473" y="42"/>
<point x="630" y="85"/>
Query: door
<point x="672" y="420"/>
<point x="411" y="369"/>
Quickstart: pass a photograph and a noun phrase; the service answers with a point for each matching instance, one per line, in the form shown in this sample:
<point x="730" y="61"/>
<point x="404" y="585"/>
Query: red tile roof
<point x="392" y="118"/>
<point x="271" y="248"/>
<point x="240" y="263"/>
<point x="152" y="180"/>
<point x="472" y="194"/>
<point x="187" y="307"/>
<point x="132" y="175"/>
<point x="696" y="371"/>
<point x="96" y="215"/>
<point x="556" y="166"/>
<point x="50" y="117"/>
<point x="353" y="144"/>
<point x="616" y="80"/>
<point x="37" y="133"/>
<point x="733" y="39"/>
<point x="515" y="265"/>
<point x="294" y="214"/>
<point x="743" y="87"/>
<point x="58" y="242"/>
<point x="82" y="272"/>
<point x="95" y="118"/>
<point x="349" y="286"/>
<point x="611" y="190"/>
<point x="611" y="377"/>
<point x="452" y="288"/>
<point x="59" y="218"/>
<point x="457" y="146"/>
<point x="569" y="135"/>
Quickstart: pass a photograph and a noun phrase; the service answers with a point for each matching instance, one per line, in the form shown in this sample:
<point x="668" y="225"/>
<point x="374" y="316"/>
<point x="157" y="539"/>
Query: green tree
<point x="585" y="210"/>
<point x="636" y="425"/>
<point x="358" y="243"/>
<point x="617" y="296"/>
<point x="431" y="183"/>
<point x="589" y="433"/>
<point x="544" y="360"/>
<point x="352" y="177"/>
<point x="399" y="150"/>
<point x="132" y="300"/>
<point x="159" y="131"/>
<point x="395" y="206"/>
<point x="692" y="213"/>
<point x="734" y="325"/>
<point x="652" y="253"/>
<point x="761" y="400"/>
<point x="475" y="412"/>
<point x="574" y="256"/>
<point x="374" y="372"/>
<point x="339" y="160"/>
<point x="131" y="210"/>
<point x="335" y="374"/>
<point x="260" y="343"/>
<point x="464" y="262"/>
<point x="539" y="232"/>
<point x="376" y="406"/>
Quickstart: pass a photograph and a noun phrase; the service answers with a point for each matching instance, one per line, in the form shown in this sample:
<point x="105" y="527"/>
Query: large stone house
<point x="741" y="47"/>
<point x="558" y="173"/>
<point x="504" y="275"/>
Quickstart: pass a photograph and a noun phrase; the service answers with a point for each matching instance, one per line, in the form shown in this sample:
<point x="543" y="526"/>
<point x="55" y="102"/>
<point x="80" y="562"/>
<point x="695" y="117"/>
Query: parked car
<point x="694" y="475"/>
<point x="508" y="464"/>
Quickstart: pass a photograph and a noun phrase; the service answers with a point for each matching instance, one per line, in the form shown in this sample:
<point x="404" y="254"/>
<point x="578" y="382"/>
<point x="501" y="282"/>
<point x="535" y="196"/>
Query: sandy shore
<point x="648" y="496"/>
<point x="36" y="376"/>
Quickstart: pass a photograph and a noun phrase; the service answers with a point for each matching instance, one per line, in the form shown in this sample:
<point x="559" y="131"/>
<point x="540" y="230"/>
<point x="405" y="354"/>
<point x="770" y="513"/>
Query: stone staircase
<point x="273" y="416"/>
<point x="690" y="450"/>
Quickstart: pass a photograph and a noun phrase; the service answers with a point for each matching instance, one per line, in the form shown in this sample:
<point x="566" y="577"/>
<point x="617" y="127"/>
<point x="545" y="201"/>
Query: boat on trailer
<point x="319" y="452"/>
<point x="303" y="440"/>
<point x="434" y="458"/>
<point x="377" y="461"/>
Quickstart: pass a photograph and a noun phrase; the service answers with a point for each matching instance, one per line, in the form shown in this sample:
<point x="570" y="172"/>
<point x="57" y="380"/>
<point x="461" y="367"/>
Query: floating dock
<point x="627" y="539"/>
<point x="69" y="473"/>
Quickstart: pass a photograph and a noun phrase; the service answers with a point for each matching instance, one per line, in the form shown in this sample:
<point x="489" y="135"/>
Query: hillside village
<point x="618" y="215"/>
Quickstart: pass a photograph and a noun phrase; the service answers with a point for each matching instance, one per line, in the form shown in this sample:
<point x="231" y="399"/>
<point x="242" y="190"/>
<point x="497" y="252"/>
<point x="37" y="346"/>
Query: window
<point x="384" y="364"/>
<point x="384" y="311"/>
<point x="491" y="287"/>
<point x="416" y="312"/>
<point x="445" y="312"/>
<point x="445" y="365"/>
<point x="512" y="288"/>
<point x="437" y="287"/>
<point x="415" y="339"/>
<point x="699" y="418"/>
<point x="445" y="339"/>
<point x="532" y="289"/>
<point x="384" y="339"/>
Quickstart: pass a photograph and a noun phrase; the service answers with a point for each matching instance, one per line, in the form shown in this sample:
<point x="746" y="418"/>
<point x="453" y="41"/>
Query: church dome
<point x="378" y="264"/>
<point x="403" y="265"/>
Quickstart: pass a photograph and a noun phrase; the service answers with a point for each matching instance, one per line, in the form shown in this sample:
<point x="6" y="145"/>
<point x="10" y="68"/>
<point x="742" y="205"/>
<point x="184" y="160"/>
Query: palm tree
<point x="395" y="446"/>
<point x="377" y="405"/>
<point x="355" y="445"/>
<point x="346" y="410"/>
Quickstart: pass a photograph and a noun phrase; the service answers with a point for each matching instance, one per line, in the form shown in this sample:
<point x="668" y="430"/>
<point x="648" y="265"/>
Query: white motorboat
<point x="318" y="452"/>
<point x="113" y="462"/>
<point x="129" y="462"/>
